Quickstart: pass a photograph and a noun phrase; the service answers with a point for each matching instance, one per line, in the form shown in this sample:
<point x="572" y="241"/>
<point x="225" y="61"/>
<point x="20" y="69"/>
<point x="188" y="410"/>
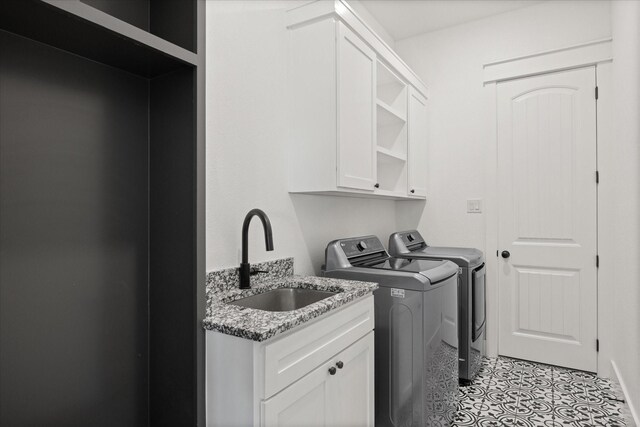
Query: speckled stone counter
<point x="259" y="325"/>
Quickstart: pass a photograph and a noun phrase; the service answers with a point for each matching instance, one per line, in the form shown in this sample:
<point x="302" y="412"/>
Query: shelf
<point x="391" y="173"/>
<point x="401" y="157"/>
<point x="388" y="115"/>
<point x="88" y="32"/>
<point x="391" y="91"/>
<point x="173" y="21"/>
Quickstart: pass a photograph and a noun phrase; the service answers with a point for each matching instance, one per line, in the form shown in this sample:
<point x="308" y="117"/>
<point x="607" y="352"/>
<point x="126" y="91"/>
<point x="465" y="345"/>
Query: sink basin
<point x="283" y="299"/>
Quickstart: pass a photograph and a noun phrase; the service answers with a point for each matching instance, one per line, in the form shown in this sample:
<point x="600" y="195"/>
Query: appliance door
<point x="479" y="301"/>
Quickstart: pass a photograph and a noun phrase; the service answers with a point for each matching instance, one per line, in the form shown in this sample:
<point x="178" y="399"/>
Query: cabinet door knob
<point x="413" y="191"/>
<point x="340" y="365"/>
<point x="377" y="185"/>
<point x="333" y="370"/>
<point x="506" y="254"/>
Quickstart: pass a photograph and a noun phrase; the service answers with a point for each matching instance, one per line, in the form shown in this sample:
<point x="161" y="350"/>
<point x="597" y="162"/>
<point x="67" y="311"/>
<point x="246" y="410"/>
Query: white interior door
<point x="547" y="218"/>
<point x="356" y="111"/>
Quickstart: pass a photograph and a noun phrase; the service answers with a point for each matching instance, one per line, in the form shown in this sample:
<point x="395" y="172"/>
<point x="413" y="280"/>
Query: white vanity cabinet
<point x="355" y="127"/>
<point x="319" y="373"/>
<point x="344" y="398"/>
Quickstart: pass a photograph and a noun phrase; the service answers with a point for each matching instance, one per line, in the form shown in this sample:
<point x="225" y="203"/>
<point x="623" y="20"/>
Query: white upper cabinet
<point x="418" y="135"/>
<point x="358" y="113"/>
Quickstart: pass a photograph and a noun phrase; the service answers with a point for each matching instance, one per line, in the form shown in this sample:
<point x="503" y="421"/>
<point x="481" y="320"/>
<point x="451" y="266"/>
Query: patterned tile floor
<point x="511" y="392"/>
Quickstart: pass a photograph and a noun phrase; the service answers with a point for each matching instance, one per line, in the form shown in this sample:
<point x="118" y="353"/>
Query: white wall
<point x="362" y="11"/>
<point x="462" y="113"/>
<point x="450" y="62"/>
<point x="626" y="154"/>
<point x="246" y="148"/>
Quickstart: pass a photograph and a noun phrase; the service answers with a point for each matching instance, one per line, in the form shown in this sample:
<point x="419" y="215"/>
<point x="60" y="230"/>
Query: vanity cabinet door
<point x="304" y="403"/>
<point x="352" y="389"/>
<point x="356" y="111"/>
<point x="338" y="393"/>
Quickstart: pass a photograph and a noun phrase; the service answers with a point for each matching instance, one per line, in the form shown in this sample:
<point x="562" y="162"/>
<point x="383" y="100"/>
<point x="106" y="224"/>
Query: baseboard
<point x="629" y="411"/>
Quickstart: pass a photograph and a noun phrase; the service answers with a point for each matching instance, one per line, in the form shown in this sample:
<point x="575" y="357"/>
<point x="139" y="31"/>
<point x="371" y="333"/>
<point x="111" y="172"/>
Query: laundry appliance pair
<point x="429" y="326"/>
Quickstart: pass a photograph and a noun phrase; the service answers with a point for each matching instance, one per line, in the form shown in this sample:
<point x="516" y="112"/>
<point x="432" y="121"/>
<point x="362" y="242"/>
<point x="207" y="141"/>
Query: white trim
<point x="607" y="244"/>
<point x="546" y="52"/>
<point x="630" y="413"/>
<point x="342" y="11"/>
<point x="491" y="227"/>
<point x="574" y="56"/>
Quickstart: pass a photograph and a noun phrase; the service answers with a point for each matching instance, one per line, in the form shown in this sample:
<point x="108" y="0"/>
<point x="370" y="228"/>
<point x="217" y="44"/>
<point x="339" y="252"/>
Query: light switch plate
<point x="474" y="206"/>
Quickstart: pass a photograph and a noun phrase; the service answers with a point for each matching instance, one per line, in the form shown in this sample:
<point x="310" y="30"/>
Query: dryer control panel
<point x="411" y="238"/>
<point x="402" y="243"/>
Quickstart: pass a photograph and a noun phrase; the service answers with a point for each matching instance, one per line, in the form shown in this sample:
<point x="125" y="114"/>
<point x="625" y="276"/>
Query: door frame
<point x="596" y="53"/>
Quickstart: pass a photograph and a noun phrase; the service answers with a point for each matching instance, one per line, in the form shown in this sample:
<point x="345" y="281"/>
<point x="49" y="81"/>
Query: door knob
<point x="377" y="185"/>
<point x="340" y="364"/>
<point x="333" y="370"/>
<point x="506" y="254"/>
<point x="413" y="191"/>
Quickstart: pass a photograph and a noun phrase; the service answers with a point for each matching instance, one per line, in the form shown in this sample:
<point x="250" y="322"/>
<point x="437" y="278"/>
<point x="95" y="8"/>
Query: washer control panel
<point x="361" y="246"/>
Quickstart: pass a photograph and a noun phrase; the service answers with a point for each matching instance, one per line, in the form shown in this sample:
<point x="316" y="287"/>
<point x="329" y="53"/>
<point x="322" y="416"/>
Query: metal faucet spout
<point x="245" y="267"/>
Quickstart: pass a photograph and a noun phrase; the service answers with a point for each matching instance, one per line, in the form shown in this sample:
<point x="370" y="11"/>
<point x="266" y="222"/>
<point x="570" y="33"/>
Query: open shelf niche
<point x="391" y="131"/>
<point x="105" y="38"/>
<point x="102" y="212"/>
<point x="171" y="20"/>
<point x="392" y="173"/>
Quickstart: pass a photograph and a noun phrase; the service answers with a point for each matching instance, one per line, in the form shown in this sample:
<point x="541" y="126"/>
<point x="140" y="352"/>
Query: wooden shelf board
<point x="401" y="157"/>
<point x="389" y="114"/>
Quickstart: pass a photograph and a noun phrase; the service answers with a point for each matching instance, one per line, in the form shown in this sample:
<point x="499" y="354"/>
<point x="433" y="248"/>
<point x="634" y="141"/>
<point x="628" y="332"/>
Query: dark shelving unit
<point x="102" y="212"/>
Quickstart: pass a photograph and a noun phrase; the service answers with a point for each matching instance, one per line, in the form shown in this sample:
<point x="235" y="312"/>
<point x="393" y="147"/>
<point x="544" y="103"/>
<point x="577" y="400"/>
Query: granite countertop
<point x="259" y="325"/>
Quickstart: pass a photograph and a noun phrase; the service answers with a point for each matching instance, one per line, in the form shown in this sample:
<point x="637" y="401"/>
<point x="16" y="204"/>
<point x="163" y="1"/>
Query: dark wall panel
<point x="73" y="240"/>
<point x="174" y="327"/>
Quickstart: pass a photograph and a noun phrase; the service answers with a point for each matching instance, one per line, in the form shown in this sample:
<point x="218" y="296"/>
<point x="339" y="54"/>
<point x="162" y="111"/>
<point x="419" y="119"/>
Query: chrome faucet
<point x="245" y="267"/>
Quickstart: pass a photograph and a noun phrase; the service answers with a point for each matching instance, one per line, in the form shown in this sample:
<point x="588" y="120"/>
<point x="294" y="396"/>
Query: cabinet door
<point x="352" y="389"/>
<point x="345" y="398"/>
<point x="418" y="135"/>
<point x="356" y="112"/>
<point x="306" y="402"/>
